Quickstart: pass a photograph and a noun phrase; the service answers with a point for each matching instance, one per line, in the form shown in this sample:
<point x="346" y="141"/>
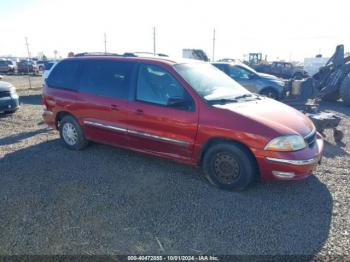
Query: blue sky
<point x="279" y="29"/>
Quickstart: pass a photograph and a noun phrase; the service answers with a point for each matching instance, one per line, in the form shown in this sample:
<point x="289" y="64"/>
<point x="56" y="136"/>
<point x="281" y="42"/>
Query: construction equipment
<point x="330" y="83"/>
<point x="333" y="79"/>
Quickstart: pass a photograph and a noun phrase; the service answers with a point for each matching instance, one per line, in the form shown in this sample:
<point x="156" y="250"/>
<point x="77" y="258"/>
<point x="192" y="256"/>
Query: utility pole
<point x="30" y="83"/>
<point x="213" y="57"/>
<point x="154" y="40"/>
<point x="105" y="41"/>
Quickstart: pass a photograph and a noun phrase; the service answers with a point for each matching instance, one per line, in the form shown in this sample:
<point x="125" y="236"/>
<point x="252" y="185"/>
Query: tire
<point x="338" y="135"/>
<point x="344" y="90"/>
<point x="71" y="134"/>
<point x="298" y="76"/>
<point x="270" y="92"/>
<point x="229" y="166"/>
<point x="332" y="97"/>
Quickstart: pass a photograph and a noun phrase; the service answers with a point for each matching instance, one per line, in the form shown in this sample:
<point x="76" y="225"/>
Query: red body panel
<point x="181" y="135"/>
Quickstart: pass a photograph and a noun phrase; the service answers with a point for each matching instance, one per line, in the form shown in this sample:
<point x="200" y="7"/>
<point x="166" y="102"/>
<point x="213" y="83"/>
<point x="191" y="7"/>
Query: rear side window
<point x="106" y="78"/>
<point x="65" y="75"/>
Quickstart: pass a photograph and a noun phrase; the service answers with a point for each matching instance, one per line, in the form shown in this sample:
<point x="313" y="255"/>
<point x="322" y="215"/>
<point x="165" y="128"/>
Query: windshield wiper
<point x="243" y="96"/>
<point x="222" y="101"/>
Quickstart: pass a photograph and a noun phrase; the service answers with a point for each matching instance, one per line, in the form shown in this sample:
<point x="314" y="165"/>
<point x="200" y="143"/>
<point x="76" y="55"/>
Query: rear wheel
<point x="229" y="166"/>
<point x="270" y="92"/>
<point x="345" y="90"/>
<point x="298" y="76"/>
<point x="72" y="134"/>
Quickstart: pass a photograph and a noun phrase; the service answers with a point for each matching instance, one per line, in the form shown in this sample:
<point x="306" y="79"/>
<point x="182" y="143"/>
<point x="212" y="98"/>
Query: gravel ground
<point x="106" y="200"/>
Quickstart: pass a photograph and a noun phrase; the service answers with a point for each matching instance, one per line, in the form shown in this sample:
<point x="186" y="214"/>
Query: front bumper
<point x="8" y="104"/>
<point x="292" y="165"/>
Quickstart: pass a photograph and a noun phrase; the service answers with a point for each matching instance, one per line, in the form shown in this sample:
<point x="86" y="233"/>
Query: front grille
<point x="310" y="139"/>
<point x="5" y="94"/>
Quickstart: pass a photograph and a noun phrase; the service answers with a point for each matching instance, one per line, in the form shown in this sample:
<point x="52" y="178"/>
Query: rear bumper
<point x="9" y="104"/>
<point x="49" y="118"/>
<point x="297" y="165"/>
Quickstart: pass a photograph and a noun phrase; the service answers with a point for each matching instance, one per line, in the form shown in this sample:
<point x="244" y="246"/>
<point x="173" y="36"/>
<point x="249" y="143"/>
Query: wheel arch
<point x="271" y="87"/>
<point x="217" y="140"/>
<point x="60" y="115"/>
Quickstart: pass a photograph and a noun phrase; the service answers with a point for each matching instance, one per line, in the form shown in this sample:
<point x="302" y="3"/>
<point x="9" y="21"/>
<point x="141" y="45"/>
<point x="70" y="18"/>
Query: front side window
<point x="157" y="86"/>
<point x="209" y="82"/>
<point x="106" y="78"/>
<point x="65" y="75"/>
<point x="240" y="73"/>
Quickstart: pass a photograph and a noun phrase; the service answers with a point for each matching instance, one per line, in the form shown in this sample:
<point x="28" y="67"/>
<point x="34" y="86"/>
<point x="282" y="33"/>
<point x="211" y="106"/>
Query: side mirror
<point x="180" y="103"/>
<point x="175" y="101"/>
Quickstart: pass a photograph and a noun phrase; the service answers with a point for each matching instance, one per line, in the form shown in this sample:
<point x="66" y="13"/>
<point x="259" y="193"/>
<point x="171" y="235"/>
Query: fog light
<point x="283" y="174"/>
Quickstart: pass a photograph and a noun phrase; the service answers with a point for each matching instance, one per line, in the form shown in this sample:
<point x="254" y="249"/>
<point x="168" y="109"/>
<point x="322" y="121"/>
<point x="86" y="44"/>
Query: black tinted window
<point x="222" y="67"/>
<point x="106" y="78"/>
<point x="65" y="75"/>
<point x="156" y="85"/>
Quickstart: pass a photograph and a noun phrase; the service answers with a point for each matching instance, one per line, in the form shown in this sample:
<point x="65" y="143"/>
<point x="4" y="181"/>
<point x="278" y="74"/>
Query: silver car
<point x="260" y="83"/>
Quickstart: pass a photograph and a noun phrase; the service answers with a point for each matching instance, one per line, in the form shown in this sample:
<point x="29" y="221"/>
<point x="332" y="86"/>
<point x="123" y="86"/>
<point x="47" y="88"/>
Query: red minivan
<point x="187" y="111"/>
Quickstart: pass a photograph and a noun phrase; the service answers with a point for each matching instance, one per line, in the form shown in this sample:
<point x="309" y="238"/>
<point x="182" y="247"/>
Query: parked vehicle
<point x="9" y="100"/>
<point x="255" y="82"/>
<point x="7" y="66"/>
<point x="282" y="69"/>
<point x="185" y="111"/>
<point x="27" y="66"/>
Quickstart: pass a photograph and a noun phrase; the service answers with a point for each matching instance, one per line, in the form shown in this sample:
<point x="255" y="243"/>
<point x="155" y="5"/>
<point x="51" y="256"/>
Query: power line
<point x="154" y="41"/>
<point x="30" y="83"/>
<point x="213" y="57"/>
<point x="105" y="41"/>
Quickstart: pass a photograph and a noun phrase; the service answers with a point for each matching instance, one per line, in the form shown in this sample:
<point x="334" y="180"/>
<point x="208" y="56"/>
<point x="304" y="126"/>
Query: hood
<point x="284" y="119"/>
<point x="5" y="86"/>
<point x="270" y="77"/>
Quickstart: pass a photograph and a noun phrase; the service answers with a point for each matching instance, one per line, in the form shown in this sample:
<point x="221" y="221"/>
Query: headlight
<point x="286" y="143"/>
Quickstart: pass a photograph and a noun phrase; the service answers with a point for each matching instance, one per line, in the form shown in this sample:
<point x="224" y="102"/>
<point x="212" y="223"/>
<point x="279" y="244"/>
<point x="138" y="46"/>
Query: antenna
<point x="30" y="83"/>
<point x="213" y="57"/>
<point x="154" y="40"/>
<point x="105" y="41"/>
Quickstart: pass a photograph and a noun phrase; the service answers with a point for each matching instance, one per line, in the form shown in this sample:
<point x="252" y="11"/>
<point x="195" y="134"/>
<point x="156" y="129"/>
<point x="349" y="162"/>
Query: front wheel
<point x="271" y="93"/>
<point x="72" y="134"/>
<point x="229" y="166"/>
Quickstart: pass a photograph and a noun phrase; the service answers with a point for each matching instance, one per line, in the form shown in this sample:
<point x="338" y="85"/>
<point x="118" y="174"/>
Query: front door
<point x="163" y="118"/>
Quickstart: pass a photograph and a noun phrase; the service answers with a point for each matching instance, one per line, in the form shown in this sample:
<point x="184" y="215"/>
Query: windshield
<point x="247" y="68"/>
<point x="209" y="82"/>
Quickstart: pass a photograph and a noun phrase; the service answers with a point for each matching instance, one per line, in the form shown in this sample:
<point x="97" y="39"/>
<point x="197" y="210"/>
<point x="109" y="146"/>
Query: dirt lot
<point x="106" y="200"/>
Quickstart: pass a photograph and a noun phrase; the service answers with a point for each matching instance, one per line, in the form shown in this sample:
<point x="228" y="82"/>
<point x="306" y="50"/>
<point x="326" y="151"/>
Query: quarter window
<point x="65" y="75"/>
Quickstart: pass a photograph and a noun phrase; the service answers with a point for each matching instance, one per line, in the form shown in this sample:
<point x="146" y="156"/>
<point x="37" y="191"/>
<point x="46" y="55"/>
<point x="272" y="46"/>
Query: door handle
<point x="114" y="107"/>
<point x="138" y="111"/>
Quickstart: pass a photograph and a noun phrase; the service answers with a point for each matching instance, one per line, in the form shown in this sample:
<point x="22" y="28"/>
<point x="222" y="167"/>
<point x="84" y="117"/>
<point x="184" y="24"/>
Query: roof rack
<point x="142" y="54"/>
<point x="127" y="54"/>
<point x="97" y="54"/>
